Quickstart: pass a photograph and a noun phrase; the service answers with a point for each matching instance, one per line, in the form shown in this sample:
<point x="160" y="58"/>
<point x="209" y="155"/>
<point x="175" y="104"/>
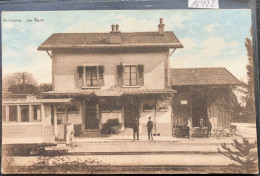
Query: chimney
<point x="161" y="27"/>
<point x="115" y="37"/>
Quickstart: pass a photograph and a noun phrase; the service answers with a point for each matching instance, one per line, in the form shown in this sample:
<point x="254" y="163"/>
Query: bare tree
<point x="18" y="78"/>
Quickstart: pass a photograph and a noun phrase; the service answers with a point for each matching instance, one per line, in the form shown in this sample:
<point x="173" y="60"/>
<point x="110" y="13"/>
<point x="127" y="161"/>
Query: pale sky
<point x="211" y="38"/>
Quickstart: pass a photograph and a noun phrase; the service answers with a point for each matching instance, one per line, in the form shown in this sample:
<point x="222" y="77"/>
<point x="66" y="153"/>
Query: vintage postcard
<point x="128" y="91"/>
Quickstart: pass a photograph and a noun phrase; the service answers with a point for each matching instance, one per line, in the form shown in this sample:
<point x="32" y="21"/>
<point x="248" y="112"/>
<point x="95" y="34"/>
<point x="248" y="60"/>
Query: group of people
<point x="207" y="124"/>
<point x="149" y="129"/>
<point x="149" y="126"/>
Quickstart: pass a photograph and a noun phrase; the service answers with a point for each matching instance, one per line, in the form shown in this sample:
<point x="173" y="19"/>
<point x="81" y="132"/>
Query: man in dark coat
<point x="136" y="129"/>
<point x="150" y="129"/>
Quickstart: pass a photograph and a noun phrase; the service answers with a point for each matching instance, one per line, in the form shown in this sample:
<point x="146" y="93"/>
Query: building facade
<point x="113" y="75"/>
<point x="203" y="93"/>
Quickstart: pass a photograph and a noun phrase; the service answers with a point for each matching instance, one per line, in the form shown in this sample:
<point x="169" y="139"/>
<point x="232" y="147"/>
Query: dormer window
<point x="90" y="76"/>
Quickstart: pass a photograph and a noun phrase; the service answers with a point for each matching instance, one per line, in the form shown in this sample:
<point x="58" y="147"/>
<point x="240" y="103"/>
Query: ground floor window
<point x="147" y="107"/>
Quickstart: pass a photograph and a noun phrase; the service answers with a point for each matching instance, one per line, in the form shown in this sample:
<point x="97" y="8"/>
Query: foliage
<point x="164" y="100"/>
<point x="243" y="156"/>
<point x="18" y="78"/>
<point x="62" y="164"/>
<point x="248" y="89"/>
<point x="112" y="126"/>
<point x="23" y="89"/>
<point x="45" y="87"/>
<point x="7" y="162"/>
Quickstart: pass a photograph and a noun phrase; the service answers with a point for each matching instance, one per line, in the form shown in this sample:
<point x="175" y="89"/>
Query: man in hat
<point x="150" y="129"/>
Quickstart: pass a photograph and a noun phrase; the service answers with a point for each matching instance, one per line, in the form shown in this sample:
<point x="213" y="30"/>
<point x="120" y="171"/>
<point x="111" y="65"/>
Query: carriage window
<point x="13" y="113"/>
<point x="36" y="114"/>
<point x="3" y="114"/>
<point x="24" y="113"/>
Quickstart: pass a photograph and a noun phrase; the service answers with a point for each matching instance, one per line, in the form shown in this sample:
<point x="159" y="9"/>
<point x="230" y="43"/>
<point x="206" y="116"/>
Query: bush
<point x="112" y="126"/>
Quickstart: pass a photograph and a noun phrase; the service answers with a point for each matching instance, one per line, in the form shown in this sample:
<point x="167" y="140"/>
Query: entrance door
<point x="91" y="118"/>
<point x="199" y="109"/>
<point x="131" y="112"/>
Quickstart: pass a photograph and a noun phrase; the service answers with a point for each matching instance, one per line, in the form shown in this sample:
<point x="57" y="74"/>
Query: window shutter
<point x="101" y="75"/>
<point x="80" y="72"/>
<point x="140" y="75"/>
<point x="119" y="75"/>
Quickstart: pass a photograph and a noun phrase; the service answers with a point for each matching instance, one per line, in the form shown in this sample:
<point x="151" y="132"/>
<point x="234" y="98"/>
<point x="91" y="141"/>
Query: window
<point x="60" y="109"/>
<point x="13" y="113"/>
<point x="24" y="113"/>
<point x="130" y="76"/>
<point x="36" y="113"/>
<point x="90" y="76"/>
<point x="3" y="113"/>
<point x="147" y="107"/>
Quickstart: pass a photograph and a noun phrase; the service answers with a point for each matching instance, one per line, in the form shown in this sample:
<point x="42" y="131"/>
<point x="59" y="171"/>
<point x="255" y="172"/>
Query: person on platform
<point x="136" y="129"/>
<point x="209" y="127"/>
<point x="188" y="126"/>
<point x="150" y="129"/>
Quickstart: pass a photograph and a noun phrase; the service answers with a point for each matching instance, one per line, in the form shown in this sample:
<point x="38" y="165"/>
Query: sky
<point x="211" y="38"/>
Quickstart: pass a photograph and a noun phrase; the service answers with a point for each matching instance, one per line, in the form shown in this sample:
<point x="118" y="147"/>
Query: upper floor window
<point x="90" y="76"/>
<point x="130" y="75"/>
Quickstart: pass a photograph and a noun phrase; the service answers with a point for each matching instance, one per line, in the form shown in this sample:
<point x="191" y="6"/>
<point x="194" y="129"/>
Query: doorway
<point x="91" y="117"/>
<point x="199" y="109"/>
<point x="131" y="111"/>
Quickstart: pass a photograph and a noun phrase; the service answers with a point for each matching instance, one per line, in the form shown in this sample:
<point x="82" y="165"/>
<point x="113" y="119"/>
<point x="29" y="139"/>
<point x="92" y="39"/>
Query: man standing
<point x="188" y="127"/>
<point x="136" y="129"/>
<point x="150" y="129"/>
<point x="209" y="127"/>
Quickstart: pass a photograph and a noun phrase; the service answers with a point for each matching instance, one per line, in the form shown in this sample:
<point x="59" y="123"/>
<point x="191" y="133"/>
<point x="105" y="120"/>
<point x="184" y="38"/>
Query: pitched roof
<point x="202" y="76"/>
<point x="101" y="40"/>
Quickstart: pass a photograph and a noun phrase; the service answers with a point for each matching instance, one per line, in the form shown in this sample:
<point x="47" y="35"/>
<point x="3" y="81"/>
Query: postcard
<point x="128" y="91"/>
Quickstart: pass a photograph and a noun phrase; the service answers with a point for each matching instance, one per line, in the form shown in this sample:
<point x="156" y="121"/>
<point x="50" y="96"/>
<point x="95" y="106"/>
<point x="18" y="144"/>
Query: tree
<point x="249" y="98"/>
<point x="45" y="87"/>
<point x="18" y="78"/>
<point x="23" y="89"/>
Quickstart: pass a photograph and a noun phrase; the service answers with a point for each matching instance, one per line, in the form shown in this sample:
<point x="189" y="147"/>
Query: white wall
<point x="65" y="63"/>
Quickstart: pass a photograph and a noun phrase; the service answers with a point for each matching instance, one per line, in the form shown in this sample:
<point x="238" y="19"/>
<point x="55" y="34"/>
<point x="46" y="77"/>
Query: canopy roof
<point x="111" y="92"/>
<point x="31" y="101"/>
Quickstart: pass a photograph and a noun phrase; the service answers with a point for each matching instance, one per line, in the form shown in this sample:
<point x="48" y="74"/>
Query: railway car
<point x="29" y="123"/>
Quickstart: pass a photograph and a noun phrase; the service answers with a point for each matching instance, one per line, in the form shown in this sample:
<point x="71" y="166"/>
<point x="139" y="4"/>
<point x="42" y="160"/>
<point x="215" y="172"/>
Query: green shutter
<point x="80" y="72"/>
<point x="140" y="75"/>
<point x="119" y="75"/>
<point x="101" y="75"/>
